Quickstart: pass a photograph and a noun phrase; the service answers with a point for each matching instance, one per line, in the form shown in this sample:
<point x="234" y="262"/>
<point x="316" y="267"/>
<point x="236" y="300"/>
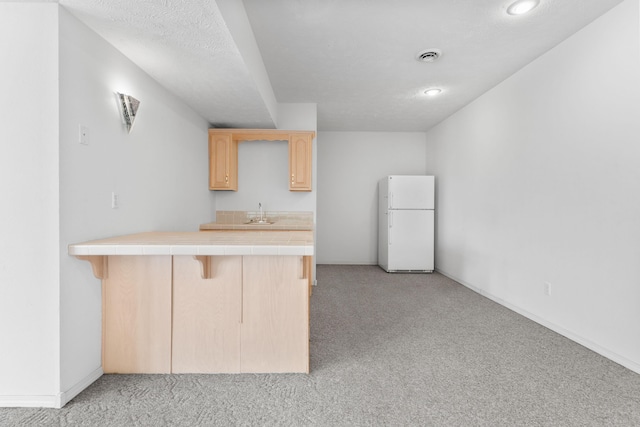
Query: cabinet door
<point x="300" y="162"/>
<point x="223" y="162"/>
<point x="136" y="315"/>
<point x="207" y="315"/>
<point x="275" y="324"/>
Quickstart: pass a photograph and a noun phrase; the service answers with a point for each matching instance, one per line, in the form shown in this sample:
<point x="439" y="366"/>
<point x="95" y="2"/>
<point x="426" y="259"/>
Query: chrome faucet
<point x="260" y="207"/>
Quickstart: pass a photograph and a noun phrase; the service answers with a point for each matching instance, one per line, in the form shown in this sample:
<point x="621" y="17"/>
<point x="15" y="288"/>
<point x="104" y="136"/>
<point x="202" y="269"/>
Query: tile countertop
<point x="199" y="243"/>
<point x="237" y="220"/>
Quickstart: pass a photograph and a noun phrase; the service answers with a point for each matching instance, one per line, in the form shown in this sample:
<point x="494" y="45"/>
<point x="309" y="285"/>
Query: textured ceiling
<point x="354" y="58"/>
<point x="187" y="47"/>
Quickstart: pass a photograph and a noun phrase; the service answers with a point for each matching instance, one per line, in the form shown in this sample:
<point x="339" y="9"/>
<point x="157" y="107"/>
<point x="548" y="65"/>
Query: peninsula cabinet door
<point x="136" y="320"/>
<point x="207" y="315"/>
<point x="275" y="315"/>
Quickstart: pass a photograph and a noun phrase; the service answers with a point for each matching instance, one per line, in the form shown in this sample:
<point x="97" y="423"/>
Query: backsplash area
<point x="281" y="220"/>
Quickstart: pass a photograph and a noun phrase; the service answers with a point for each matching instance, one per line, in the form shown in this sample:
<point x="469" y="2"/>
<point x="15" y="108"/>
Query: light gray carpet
<point x="386" y="349"/>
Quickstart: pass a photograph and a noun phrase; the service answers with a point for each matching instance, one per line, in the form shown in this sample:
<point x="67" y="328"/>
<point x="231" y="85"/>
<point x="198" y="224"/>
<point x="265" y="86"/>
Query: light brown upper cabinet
<point x="223" y="162"/>
<point x="300" y="162"/>
<point x="223" y="155"/>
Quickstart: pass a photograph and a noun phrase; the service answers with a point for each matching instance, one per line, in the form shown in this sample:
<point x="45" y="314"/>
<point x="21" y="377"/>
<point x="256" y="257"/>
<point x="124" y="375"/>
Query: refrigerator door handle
<point x="390" y="225"/>
<point x="391" y="201"/>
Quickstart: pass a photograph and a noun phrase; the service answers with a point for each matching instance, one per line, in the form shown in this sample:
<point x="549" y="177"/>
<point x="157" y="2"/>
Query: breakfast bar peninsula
<point x="203" y="302"/>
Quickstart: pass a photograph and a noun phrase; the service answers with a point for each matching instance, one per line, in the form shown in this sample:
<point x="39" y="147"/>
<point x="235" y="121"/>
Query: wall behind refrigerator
<point x="350" y="164"/>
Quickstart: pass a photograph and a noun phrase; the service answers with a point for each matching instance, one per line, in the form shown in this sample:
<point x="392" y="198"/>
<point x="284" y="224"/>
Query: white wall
<point x="263" y="169"/>
<point x="538" y="181"/>
<point x="159" y="171"/>
<point x="350" y="164"/>
<point x="58" y="191"/>
<point x="29" y="267"/>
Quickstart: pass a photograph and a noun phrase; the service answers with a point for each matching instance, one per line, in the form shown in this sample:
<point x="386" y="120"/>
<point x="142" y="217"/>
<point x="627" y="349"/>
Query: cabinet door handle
<point x="226" y="178"/>
<point x="292" y="179"/>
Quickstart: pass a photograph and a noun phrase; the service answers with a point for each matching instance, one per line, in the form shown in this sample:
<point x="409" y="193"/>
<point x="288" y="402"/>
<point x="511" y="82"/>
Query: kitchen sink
<point x="257" y="221"/>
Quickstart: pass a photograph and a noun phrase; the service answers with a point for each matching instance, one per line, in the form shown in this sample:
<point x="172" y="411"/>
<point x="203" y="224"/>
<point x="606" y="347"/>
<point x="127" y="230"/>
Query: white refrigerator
<point x="406" y="218"/>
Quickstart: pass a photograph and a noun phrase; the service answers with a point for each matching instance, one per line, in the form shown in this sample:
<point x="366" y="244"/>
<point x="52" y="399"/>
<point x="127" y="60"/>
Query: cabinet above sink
<point x="223" y="155"/>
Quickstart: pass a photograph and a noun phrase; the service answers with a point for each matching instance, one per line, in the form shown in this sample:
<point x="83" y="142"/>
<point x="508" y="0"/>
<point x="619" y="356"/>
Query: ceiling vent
<point x="428" y="55"/>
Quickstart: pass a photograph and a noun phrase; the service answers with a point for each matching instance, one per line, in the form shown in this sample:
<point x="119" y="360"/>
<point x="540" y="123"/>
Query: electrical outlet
<point x="547" y="288"/>
<point x="83" y="135"/>
<point x="114" y="200"/>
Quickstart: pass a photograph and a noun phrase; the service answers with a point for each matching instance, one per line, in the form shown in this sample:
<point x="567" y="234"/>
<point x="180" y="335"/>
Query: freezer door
<point x="411" y="240"/>
<point x="411" y="192"/>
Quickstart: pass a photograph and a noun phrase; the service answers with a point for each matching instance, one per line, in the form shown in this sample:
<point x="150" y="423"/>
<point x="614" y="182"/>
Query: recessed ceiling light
<point x="521" y="7"/>
<point x="433" y="91"/>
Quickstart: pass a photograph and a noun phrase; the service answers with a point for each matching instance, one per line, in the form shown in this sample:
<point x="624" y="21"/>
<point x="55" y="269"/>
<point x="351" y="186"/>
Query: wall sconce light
<point x="128" y="109"/>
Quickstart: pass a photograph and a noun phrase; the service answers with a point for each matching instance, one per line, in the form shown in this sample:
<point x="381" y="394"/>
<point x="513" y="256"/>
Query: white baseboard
<point x="343" y="262"/>
<point x="50" y="401"/>
<point x="611" y="355"/>
<point x="66" y="396"/>
<point x="32" y="401"/>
